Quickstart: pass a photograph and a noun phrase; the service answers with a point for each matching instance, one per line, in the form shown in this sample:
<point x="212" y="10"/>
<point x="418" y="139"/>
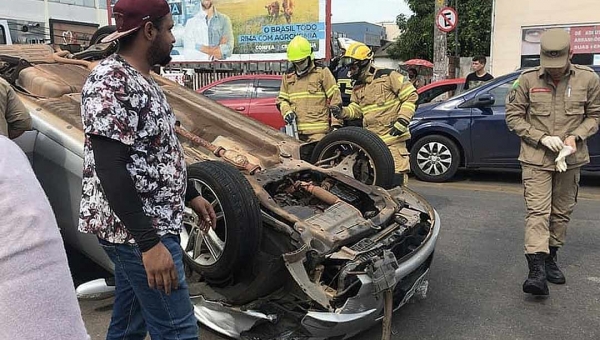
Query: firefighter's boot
<point x="553" y="273"/>
<point x="536" y="280"/>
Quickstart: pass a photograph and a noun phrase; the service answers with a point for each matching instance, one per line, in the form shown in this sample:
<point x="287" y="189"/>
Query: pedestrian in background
<point x="134" y="178"/>
<point x="413" y="77"/>
<point x="479" y="74"/>
<point x="37" y="297"/>
<point x="14" y="117"/>
<point x="552" y="107"/>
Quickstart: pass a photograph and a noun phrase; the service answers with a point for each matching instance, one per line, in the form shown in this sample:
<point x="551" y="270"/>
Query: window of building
<point x="82" y="3"/>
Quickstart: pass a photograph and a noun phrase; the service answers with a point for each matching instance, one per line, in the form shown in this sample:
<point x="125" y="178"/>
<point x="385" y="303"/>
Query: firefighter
<point x="345" y="83"/>
<point x="385" y="100"/>
<point x="308" y="94"/>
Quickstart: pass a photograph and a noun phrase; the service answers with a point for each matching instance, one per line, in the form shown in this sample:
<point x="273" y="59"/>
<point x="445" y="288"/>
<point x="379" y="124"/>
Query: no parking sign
<point x="446" y="19"/>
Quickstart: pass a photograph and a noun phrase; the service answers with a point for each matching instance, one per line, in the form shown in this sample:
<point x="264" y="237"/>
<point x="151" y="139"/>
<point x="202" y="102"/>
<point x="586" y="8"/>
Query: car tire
<point x="102" y="33"/>
<point x="434" y="158"/>
<point x="225" y="254"/>
<point x="374" y="165"/>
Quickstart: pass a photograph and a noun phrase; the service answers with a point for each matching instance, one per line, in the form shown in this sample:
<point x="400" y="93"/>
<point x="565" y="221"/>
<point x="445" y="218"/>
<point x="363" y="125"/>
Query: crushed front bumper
<point x="358" y="313"/>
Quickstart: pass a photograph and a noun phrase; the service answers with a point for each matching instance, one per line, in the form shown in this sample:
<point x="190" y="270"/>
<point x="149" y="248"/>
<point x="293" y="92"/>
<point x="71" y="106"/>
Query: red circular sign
<point x="446" y="19"/>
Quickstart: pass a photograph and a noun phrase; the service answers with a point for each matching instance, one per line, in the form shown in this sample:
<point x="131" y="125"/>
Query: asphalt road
<point x="476" y="276"/>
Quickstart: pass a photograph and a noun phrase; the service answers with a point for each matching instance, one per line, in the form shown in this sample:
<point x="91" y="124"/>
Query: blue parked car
<point x="469" y="131"/>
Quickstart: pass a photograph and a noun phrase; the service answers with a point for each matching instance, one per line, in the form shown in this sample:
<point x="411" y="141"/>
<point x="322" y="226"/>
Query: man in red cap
<point x="554" y="109"/>
<point x="134" y="178"/>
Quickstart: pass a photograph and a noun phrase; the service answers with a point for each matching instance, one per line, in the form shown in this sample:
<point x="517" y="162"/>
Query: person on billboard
<point x="215" y="27"/>
<point x="309" y="93"/>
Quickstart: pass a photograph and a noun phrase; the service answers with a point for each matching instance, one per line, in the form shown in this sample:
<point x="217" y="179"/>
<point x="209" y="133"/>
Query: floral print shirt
<point x="120" y="103"/>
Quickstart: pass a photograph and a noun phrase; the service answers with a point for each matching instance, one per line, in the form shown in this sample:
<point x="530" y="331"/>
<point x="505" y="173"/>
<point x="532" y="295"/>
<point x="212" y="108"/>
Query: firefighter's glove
<point x="336" y="112"/>
<point x="289" y="117"/>
<point x="553" y="143"/>
<point x="399" y="128"/>
<point x="561" y="163"/>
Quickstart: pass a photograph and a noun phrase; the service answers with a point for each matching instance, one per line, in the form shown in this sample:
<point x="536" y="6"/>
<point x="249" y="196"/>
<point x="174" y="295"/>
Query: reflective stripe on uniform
<point x="376" y="107"/>
<point x="303" y="95"/>
<point x="284" y="95"/>
<point x="313" y="126"/>
<point x="331" y="90"/>
<point x="353" y="110"/>
<point x="388" y="139"/>
<point x="406" y="92"/>
<point x="408" y="106"/>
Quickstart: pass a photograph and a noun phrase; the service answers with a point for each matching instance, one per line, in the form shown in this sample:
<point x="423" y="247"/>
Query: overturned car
<point x="300" y="250"/>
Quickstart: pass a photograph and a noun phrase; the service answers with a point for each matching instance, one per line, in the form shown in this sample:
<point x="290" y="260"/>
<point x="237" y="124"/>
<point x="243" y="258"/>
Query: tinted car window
<point x="267" y="88"/>
<point x="235" y="89"/>
<point x="437" y="94"/>
<point x="2" y="36"/>
<point x="500" y="93"/>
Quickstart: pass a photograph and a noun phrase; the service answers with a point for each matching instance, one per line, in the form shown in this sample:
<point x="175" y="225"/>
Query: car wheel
<point x="223" y="254"/>
<point x="434" y="158"/>
<point x="102" y="33"/>
<point x="358" y="153"/>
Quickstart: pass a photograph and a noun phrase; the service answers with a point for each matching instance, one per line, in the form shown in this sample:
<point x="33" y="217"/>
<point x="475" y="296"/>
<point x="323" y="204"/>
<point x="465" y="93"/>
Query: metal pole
<point x="456" y="46"/>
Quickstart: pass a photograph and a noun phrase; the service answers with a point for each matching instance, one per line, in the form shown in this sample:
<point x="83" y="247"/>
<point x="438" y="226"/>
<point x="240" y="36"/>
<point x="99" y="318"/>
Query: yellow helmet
<point x="298" y="49"/>
<point x="358" y="58"/>
<point x="358" y="51"/>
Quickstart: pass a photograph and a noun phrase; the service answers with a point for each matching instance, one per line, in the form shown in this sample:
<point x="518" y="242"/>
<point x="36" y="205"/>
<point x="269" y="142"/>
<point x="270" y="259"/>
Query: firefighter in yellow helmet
<point x="385" y="100"/>
<point x="309" y="93"/>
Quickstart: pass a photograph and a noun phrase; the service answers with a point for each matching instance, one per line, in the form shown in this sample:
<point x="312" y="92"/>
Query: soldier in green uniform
<point x="550" y="107"/>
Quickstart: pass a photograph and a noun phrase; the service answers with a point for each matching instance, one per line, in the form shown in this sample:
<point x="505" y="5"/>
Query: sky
<point x="367" y="10"/>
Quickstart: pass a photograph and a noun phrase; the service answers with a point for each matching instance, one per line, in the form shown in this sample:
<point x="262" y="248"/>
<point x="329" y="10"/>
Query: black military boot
<point x="553" y="273"/>
<point x="536" y="280"/>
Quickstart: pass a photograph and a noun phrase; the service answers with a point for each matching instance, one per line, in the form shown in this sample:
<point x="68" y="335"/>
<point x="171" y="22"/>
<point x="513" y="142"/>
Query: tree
<point x="416" y="40"/>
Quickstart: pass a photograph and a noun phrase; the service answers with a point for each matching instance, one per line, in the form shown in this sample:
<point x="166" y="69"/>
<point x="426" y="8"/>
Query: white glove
<point x="553" y="143"/>
<point x="561" y="163"/>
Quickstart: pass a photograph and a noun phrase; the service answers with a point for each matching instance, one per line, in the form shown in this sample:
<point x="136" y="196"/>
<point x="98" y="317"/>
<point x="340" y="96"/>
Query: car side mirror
<point x="480" y="101"/>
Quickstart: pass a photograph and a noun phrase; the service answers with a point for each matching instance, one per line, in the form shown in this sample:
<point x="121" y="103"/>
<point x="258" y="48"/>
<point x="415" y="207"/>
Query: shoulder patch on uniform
<point x="512" y="95"/>
<point x="515" y="84"/>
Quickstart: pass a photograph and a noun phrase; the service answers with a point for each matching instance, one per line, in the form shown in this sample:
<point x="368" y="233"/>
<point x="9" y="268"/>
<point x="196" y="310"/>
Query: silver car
<point x="300" y="250"/>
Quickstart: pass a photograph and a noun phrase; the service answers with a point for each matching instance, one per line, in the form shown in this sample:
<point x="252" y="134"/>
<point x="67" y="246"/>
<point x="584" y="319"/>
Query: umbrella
<point x="418" y="62"/>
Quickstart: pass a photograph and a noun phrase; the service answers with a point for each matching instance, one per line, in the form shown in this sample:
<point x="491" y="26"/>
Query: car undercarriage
<point x="298" y="252"/>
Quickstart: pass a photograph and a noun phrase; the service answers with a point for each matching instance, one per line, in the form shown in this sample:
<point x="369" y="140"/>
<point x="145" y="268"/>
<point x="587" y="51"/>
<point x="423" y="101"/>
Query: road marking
<point x="501" y="188"/>
<point x="594" y="279"/>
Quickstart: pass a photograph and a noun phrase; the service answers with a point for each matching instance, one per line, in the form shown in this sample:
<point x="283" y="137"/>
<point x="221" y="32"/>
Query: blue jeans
<point x="138" y="308"/>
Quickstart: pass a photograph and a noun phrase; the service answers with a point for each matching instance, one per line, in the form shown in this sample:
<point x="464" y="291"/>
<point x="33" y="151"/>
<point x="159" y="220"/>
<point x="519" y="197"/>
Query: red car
<point x="440" y="90"/>
<point x="252" y="95"/>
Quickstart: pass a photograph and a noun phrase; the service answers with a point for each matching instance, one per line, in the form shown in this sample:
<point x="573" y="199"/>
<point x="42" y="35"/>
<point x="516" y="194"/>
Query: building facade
<point x="365" y="32"/>
<point x="391" y="29"/>
<point x="516" y="31"/>
<point x="68" y="22"/>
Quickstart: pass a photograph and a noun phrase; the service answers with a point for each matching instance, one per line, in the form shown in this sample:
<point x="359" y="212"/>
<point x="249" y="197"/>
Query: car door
<point x="263" y="105"/>
<point x="492" y="144"/>
<point x="594" y="145"/>
<point x="234" y="94"/>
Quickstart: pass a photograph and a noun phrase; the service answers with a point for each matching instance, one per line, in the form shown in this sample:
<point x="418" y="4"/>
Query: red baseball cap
<point x="130" y="15"/>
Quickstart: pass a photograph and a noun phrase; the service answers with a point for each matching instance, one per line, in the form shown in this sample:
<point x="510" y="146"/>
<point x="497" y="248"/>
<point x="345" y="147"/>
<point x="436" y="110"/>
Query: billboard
<point x="584" y="39"/>
<point x="71" y="32"/>
<point x="245" y="30"/>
